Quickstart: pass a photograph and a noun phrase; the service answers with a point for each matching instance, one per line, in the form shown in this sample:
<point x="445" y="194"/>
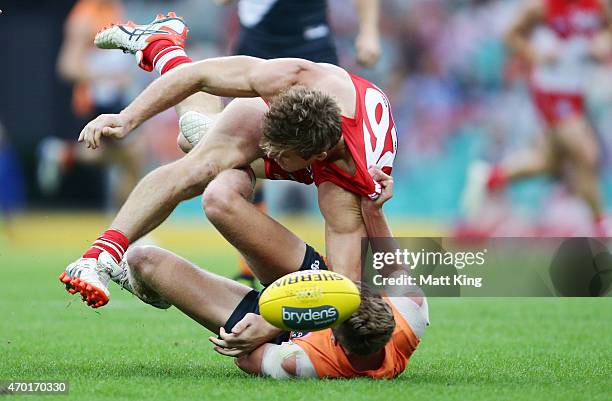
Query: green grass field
<point x="475" y="349"/>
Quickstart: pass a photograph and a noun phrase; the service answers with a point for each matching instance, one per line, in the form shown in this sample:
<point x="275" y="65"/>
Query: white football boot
<point x="87" y="277"/>
<point x="90" y="277"/>
<point x="475" y="190"/>
<point x="132" y="38"/>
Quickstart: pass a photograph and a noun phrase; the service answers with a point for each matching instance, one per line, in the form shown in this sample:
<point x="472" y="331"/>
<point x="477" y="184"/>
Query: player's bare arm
<point x="380" y="234"/>
<point x="73" y="51"/>
<point x="372" y="210"/>
<point x="252" y="363"/>
<point x="601" y="44"/>
<point x="72" y="58"/>
<point x="344" y="228"/>
<point x="367" y="42"/>
<point x="169" y="90"/>
<point x="517" y="38"/>
<point x="246" y="336"/>
<point x="236" y="76"/>
<point x="348" y="219"/>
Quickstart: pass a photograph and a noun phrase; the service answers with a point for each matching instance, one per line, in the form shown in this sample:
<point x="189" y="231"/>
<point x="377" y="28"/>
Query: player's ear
<point x="321" y="156"/>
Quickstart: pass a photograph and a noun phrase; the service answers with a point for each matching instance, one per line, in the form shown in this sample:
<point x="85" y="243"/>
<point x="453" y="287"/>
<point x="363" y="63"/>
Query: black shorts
<point x="251" y="43"/>
<point x="250" y="302"/>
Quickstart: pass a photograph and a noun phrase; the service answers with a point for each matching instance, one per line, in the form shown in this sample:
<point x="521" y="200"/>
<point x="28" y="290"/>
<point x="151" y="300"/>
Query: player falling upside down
<point x="267" y="33"/>
<point x="559" y="39"/>
<point x="376" y="341"/>
<point x="317" y="124"/>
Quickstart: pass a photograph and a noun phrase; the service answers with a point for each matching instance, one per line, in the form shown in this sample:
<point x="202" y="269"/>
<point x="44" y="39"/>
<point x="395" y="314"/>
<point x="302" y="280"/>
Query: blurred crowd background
<point x="456" y="93"/>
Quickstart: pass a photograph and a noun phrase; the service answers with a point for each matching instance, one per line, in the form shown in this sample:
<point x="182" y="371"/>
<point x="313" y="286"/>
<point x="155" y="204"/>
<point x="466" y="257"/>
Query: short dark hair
<point x="369" y="329"/>
<point x="306" y="121"/>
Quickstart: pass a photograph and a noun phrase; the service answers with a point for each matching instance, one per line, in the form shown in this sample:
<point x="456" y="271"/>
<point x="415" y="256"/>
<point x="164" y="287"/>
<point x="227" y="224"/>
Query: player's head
<point x="368" y="329"/>
<point x="301" y="126"/>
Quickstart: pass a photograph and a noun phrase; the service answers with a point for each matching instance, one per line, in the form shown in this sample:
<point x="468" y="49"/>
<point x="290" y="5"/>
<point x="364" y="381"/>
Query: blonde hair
<point x="306" y="121"/>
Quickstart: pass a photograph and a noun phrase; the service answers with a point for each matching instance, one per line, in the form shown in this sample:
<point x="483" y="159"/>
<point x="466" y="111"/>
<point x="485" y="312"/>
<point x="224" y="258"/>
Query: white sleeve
<point x="271" y="364"/>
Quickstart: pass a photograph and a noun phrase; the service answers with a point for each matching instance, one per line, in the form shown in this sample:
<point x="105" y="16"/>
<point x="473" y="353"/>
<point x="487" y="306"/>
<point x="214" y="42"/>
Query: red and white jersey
<point x="569" y="26"/>
<point x="371" y="139"/>
<point x="568" y="18"/>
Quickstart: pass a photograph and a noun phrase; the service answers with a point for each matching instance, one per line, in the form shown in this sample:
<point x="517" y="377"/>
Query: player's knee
<point x="224" y="193"/>
<point x="219" y="200"/>
<point x="141" y="260"/>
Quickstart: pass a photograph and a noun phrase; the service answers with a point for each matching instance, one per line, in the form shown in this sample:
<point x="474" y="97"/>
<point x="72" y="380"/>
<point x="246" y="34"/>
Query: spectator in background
<point x="300" y="28"/>
<point x="99" y="83"/>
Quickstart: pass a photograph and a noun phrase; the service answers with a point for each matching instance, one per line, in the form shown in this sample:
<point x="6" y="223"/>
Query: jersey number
<point x="374" y="152"/>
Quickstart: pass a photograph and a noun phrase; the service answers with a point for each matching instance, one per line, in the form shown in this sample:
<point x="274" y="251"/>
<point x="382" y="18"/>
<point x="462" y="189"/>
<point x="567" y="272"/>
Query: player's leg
<point x="232" y="141"/>
<point x="201" y="102"/>
<point x="540" y="159"/>
<point x="483" y="179"/>
<point x="125" y="172"/>
<point x="57" y="157"/>
<point x="582" y="151"/>
<point x="245" y="272"/>
<point x="344" y="232"/>
<point x="543" y="158"/>
<point x="270" y="248"/>
<point x="207" y="298"/>
<point x="159" y="46"/>
<point x="196" y="115"/>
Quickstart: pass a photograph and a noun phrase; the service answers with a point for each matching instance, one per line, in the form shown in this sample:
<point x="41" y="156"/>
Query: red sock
<point x="163" y="55"/>
<point x="112" y="241"/>
<point x="497" y="179"/>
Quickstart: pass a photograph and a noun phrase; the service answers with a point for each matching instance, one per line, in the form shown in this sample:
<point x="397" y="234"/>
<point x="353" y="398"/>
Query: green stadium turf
<point x="475" y="349"/>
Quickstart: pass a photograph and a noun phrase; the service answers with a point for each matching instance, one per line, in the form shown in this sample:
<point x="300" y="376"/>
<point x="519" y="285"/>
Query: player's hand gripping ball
<point x="309" y="300"/>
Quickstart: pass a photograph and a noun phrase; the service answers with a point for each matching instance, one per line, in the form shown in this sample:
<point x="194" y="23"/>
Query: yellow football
<point x="309" y="300"/>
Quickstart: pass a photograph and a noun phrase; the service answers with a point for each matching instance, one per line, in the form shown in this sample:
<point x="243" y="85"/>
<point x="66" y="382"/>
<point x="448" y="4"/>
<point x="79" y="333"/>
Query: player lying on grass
<point x="318" y="123"/>
<point x="376" y="341"/>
